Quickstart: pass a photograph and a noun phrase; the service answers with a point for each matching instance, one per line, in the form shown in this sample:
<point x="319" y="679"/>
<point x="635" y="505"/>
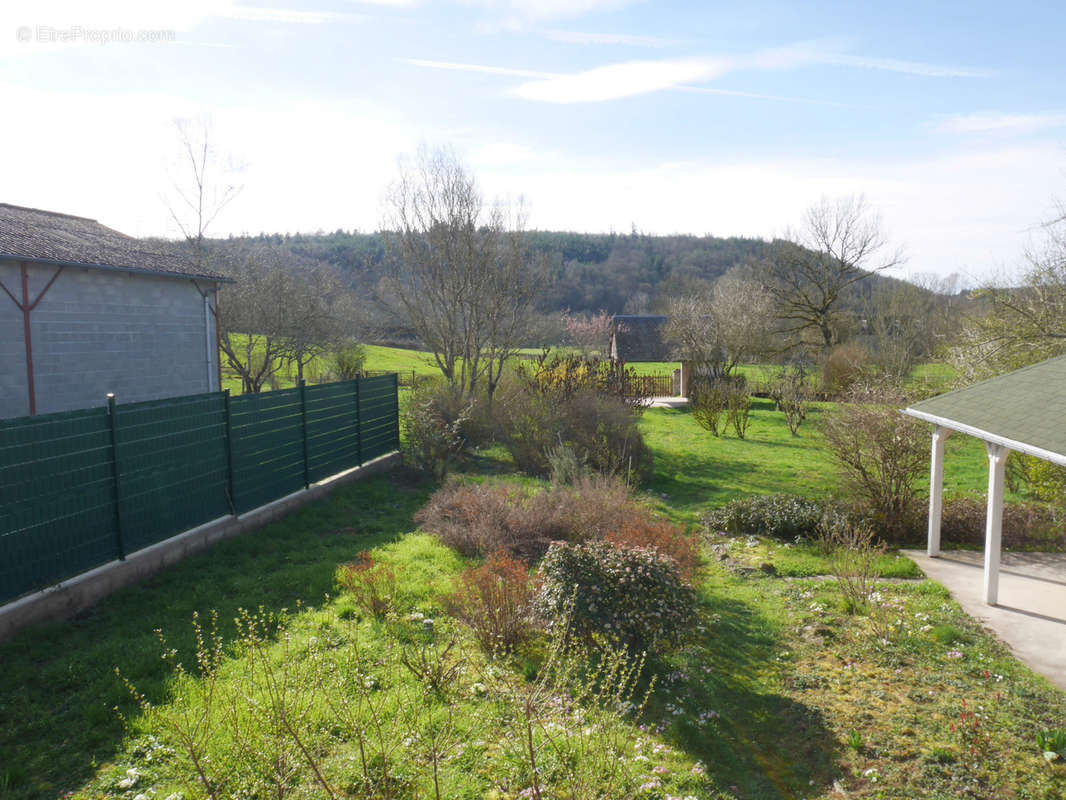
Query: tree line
<point x="460" y="276"/>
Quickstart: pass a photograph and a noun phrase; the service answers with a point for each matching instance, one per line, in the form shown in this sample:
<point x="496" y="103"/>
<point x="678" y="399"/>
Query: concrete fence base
<point x="80" y="593"/>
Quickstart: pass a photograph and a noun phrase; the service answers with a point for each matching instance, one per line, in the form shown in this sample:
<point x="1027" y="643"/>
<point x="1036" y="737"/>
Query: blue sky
<point x="721" y="118"/>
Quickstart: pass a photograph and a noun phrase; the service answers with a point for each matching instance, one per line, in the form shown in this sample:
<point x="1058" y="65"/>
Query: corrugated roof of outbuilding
<point x="31" y="234"/>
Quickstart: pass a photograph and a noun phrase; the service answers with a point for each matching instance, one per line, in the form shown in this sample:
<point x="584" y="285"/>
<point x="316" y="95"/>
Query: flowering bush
<point x="781" y="516"/>
<point x="634" y="595"/>
<point x="496" y="601"/>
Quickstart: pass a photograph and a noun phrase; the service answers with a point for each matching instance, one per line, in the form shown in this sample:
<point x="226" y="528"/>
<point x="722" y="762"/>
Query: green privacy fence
<point x="82" y="488"/>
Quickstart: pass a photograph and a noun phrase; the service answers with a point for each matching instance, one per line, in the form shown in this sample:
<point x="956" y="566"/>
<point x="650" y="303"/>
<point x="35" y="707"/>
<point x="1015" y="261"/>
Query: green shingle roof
<point x="1024" y="409"/>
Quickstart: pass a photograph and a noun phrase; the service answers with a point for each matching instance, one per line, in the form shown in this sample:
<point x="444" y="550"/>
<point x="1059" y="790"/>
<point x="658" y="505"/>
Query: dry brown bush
<point x="663" y="536"/>
<point x="481" y="519"/>
<point x="496" y="601"/>
<point x="845" y="365"/>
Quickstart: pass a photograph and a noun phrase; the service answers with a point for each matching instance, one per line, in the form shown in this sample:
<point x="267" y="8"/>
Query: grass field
<point x="779" y="693"/>
<point x="694" y="469"/>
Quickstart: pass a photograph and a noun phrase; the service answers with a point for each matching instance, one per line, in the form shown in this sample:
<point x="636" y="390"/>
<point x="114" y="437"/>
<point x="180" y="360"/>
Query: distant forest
<point x="588" y="272"/>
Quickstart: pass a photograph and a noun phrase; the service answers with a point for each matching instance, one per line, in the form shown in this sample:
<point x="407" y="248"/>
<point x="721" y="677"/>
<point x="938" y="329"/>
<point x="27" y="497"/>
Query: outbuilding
<point x="640" y="338"/>
<point x="86" y="311"/>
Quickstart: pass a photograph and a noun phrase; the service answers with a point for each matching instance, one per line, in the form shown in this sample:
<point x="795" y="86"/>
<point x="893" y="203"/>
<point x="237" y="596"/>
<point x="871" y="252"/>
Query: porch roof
<point x="1024" y="410"/>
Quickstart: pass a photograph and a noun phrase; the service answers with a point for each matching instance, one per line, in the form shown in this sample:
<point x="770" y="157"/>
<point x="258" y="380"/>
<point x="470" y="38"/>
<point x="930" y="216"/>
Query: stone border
<point x="73" y="596"/>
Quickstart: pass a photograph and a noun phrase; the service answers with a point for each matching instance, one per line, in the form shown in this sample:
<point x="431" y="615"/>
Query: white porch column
<point x="997" y="461"/>
<point x="936" y="489"/>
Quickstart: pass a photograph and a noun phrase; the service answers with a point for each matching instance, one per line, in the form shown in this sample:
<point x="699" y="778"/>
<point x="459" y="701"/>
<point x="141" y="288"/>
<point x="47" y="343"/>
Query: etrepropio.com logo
<point x="77" y="34"/>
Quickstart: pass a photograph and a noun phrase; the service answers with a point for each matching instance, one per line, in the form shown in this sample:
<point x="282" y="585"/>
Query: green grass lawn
<point x="693" y="468"/>
<point x="778" y="693"/>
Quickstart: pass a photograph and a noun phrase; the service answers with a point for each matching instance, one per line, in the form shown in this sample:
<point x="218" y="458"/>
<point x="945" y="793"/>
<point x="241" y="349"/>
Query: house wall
<point x="140" y="336"/>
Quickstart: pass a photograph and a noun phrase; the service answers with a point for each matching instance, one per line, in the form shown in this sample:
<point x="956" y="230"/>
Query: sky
<point x="668" y="117"/>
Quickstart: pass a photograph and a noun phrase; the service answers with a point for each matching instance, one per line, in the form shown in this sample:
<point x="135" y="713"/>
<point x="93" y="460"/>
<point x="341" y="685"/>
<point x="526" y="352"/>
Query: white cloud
<point x="778" y="97"/>
<point x="620" y="80"/>
<point x="519" y="12"/>
<point x="624" y="39"/>
<point x="626" y="79"/>
<point x="282" y="15"/>
<point x="907" y="67"/>
<point x="487" y="69"/>
<point x="999" y="123"/>
<point x="972" y="210"/>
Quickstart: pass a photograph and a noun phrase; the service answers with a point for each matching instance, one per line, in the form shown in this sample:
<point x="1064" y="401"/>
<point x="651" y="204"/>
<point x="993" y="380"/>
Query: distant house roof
<point x="638" y="338"/>
<point x="30" y="234"/>
<point x="1024" y="410"/>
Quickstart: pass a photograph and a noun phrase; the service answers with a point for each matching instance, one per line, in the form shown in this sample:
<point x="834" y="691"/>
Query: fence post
<point x="358" y="427"/>
<point x="303" y="428"/>
<point x="396" y="398"/>
<point x="116" y="496"/>
<point x="231" y="494"/>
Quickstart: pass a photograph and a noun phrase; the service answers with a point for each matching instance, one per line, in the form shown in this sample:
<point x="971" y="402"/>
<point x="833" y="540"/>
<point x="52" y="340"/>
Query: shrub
<point x="565" y="466"/>
<point x="432" y="425"/>
<point x="658" y="534"/>
<point x="496" y="601"/>
<point x="710" y="397"/>
<point x="844" y="366"/>
<point x="738" y="408"/>
<point x="853" y="558"/>
<point x="347" y="361"/>
<point x="707" y="402"/>
<point x="372" y="584"/>
<point x="781" y="516"/>
<point x="633" y="595"/>
<point x="882" y="454"/>
<point x="1031" y="526"/>
<point x="789" y="393"/>
<point x="604" y="430"/>
<point x="565" y="376"/>
<point x="481" y="519"/>
<point x="1040" y="479"/>
<point x="599" y="428"/>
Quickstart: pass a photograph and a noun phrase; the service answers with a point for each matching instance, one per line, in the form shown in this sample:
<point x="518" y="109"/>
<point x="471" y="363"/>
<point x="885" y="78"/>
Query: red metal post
<point x="26" y="308"/>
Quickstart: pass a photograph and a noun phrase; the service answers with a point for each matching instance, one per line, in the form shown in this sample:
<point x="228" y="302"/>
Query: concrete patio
<point x="1030" y="615"/>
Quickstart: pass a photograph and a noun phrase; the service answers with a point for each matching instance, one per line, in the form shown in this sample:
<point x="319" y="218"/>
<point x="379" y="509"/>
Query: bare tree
<point x="315" y="311"/>
<point x="206" y="185"/>
<point x="721" y="326"/>
<point x="462" y="275"/>
<point x="1021" y="324"/>
<point x="252" y="322"/>
<point x="841" y="242"/>
<point x="279" y="310"/>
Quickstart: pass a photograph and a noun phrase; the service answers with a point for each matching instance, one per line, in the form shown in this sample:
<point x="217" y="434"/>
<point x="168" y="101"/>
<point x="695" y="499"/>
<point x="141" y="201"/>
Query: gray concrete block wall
<point x="140" y="336"/>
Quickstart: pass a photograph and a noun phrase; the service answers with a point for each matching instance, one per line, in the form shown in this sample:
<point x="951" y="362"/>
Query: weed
<point x="1052" y="744"/>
